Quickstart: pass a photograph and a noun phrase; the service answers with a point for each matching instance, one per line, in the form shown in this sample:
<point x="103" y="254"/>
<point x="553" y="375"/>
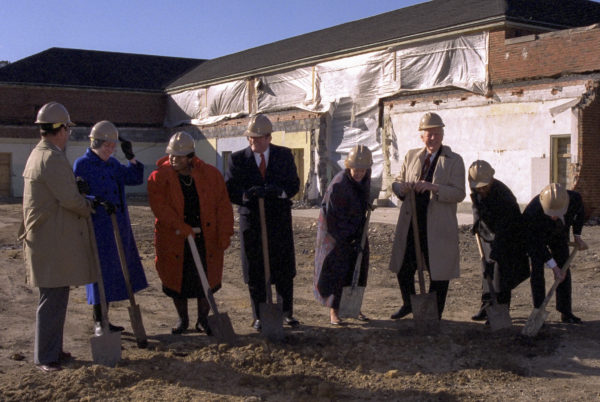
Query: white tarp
<point x="348" y="88"/>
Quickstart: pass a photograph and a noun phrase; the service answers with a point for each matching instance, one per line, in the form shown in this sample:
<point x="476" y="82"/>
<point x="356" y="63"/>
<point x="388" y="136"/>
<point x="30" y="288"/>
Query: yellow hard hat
<point x="259" y="126"/>
<point x="430" y="120"/>
<point x="359" y="157"/>
<point x="104" y="130"/>
<point x="181" y="143"/>
<point x="54" y="113"/>
<point x="481" y="174"/>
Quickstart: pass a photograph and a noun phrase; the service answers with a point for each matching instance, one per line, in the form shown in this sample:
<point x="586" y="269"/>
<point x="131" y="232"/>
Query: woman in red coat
<point x="186" y="193"/>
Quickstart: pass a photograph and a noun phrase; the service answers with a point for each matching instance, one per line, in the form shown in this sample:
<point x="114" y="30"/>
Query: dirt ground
<point x="378" y="360"/>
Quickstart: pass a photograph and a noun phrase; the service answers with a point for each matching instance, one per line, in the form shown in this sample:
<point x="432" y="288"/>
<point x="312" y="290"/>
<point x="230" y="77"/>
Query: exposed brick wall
<point x="19" y="105"/>
<point x="588" y="182"/>
<point x="543" y="55"/>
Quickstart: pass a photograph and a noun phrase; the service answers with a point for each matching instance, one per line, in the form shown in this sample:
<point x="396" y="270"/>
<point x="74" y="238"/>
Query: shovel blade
<point x="135" y="316"/>
<point x="220" y="324"/>
<point x="271" y="318"/>
<point x="498" y="316"/>
<point x="425" y="312"/>
<point x="351" y="301"/>
<point x="106" y="348"/>
<point x="534" y="322"/>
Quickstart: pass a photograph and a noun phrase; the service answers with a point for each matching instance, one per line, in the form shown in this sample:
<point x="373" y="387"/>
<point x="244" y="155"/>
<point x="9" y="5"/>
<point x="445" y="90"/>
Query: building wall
<point x="543" y="55"/>
<point x="20" y="104"/>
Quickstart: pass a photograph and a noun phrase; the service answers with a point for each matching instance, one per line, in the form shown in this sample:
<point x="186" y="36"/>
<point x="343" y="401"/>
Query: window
<point x="561" y="159"/>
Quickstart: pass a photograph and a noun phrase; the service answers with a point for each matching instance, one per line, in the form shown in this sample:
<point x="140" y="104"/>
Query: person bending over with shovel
<point x="340" y="231"/>
<point x="186" y="194"/>
<point x="437" y="177"/>
<point x="549" y="217"/>
<point x="498" y="222"/>
<point x="105" y="179"/>
<point x="268" y="172"/>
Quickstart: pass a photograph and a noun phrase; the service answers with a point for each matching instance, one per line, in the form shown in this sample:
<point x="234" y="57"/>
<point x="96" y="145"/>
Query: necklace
<point x="183" y="180"/>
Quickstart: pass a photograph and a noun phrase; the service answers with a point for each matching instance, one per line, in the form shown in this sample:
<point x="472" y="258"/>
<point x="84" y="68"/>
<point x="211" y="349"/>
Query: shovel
<point x="538" y="315"/>
<point x="498" y="314"/>
<point x="424" y="305"/>
<point x="135" y="315"/>
<point x="106" y="347"/>
<point x="352" y="296"/>
<point x="219" y="323"/>
<point x="271" y="316"/>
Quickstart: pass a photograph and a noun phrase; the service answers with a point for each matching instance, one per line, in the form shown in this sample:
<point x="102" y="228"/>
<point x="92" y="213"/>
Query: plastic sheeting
<point x="348" y="88"/>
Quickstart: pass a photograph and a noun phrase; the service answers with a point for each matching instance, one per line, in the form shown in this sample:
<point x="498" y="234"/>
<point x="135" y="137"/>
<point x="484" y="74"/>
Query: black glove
<point x="127" y="148"/>
<point x="82" y="185"/>
<point x="108" y="206"/>
<point x="475" y="227"/>
<point x="256" y="192"/>
<point x="273" y="191"/>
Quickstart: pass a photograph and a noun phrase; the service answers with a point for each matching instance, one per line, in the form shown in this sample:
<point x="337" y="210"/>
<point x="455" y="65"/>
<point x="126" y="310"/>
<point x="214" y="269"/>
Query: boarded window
<point x="299" y="161"/>
<point x="561" y="158"/>
<point x="5" y="158"/>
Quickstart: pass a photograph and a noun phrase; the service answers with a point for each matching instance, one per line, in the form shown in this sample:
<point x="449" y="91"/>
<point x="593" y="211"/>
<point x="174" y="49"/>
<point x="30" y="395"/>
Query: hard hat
<point x="359" y="158"/>
<point x="481" y="174"/>
<point x="54" y="113"/>
<point x="259" y="125"/>
<point x="430" y="120"/>
<point x="555" y="200"/>
<point x="181" y="143"/>
<point x="105" y="131"/>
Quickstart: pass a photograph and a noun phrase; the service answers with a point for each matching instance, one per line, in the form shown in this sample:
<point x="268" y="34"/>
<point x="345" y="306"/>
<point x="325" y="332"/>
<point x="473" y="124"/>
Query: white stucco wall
<point x="513" y="135"/>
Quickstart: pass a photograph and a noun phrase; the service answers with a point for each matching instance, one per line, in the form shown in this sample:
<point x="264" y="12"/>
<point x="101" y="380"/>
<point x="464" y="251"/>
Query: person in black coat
<point x="340" y="229"/>
<point x="498" y="221"/>
<point x="264" y="170"/>
<point x="548" y="219"/>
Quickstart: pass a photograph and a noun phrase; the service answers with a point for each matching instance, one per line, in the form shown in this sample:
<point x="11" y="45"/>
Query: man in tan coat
<point x="55" y="233"/>
<point x="437" y="176"/>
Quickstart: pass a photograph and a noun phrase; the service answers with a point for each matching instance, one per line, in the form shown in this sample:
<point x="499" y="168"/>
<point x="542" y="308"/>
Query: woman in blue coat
<point x="339" y="232"/>
<point x="107" y="178"/>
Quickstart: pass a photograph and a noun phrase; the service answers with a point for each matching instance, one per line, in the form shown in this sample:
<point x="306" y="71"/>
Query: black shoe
<point x="181" y="327"/>
<point x="403" y="312"/>
<point x="202" y="326"/>
<point x="256" y="325"/>
<point x="291" y="321"/>
<point x="570" y="318"/>
<point x="115" y="328"/>
<point x="480" y="316"/>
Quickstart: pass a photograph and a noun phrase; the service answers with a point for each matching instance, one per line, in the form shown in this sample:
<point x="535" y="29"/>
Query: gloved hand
<point x="273" y="191"/>
<point x="108" y="206"/>
<point x="256" y="192"/>
<point x="475" y="227"/>
<point x="127" y="148"/>
<point x="82" y="185"/>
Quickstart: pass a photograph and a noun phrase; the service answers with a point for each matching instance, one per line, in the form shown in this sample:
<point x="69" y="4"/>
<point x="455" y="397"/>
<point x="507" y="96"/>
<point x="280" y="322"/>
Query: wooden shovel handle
<point x="200" y="268"/>
<point x="265" y="249"/>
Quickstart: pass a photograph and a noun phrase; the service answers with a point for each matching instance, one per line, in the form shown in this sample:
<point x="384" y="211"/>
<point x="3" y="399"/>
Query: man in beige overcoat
<point x="55" y="234"/>
<point x="437" y="176"/>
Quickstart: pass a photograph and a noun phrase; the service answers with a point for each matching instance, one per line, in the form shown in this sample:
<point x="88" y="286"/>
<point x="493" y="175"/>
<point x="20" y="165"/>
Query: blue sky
<point x="184" y="28"/>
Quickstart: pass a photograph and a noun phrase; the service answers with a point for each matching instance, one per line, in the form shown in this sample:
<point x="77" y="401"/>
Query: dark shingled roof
<point x="95" y="69"/>
<point x="409" y="22"/>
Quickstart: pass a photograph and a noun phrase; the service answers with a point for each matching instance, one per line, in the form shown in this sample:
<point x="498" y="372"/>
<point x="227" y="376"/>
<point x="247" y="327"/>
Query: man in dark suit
<point x="548" y="219"/>
<point x="264" y="170"/>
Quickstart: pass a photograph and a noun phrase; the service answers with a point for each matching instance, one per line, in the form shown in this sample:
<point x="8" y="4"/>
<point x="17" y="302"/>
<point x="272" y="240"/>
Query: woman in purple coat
<point x="339" y="231"/>
<point x="106" y="178"/>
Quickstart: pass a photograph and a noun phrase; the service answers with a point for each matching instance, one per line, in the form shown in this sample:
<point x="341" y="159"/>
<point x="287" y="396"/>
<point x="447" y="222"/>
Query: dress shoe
<point x="403" y="312"/>
<point x="336" y="322"/>
<point x="362" y="317"/>
<point x="291" y="321"/>
<point x="64" y="356"/>
<point x="50" y="367"/>
<point x="480" y="316"/>
<point x="570" y="318"/>
<point x="181" y="327"/>
<point x="257" y="325"/>
<point x="115" y="328"/>
<point x="202" y="326"/>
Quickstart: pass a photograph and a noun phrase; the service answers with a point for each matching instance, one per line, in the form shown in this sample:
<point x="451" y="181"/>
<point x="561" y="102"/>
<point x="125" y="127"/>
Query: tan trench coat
<point x="55" y="232"/>
<point x="442" y="225"/>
